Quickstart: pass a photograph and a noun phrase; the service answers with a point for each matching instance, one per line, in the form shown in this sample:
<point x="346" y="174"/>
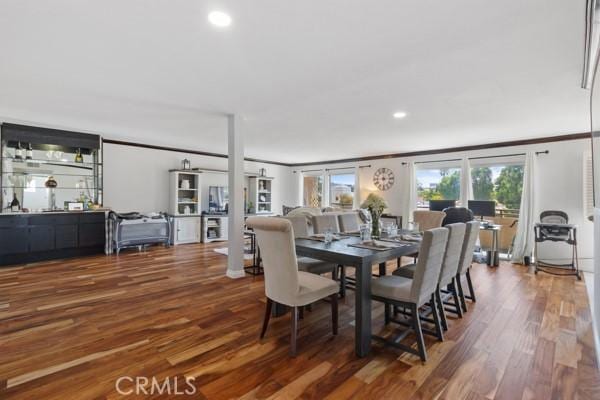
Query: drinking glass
<point x="365" y="232"/>
<point x="414" y="227"/>
<point x="328" y="236"/>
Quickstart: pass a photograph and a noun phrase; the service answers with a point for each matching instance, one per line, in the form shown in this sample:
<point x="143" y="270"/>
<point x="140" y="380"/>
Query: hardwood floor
<point x="70" y="329"/>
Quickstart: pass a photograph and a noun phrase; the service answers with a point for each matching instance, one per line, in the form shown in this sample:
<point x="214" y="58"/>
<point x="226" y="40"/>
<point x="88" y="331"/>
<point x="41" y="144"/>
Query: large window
<point x="502" y="183"/>
<point x="437" y="184"/>
<point x="313" y="191"/>
<point x="341" y="190"/>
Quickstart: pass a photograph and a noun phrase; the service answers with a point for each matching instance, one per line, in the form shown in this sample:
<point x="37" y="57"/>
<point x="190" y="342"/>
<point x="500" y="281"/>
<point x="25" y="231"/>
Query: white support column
<point x="235" y="244"/>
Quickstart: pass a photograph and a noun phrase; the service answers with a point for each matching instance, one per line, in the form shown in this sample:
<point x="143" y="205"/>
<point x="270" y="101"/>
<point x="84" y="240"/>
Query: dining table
<point x="343" y="251"/>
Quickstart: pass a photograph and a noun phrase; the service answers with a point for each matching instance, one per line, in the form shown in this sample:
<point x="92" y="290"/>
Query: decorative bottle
<point x="29" y="153"/>
<point x="14" y="204"/>
<point x="19" y="152"/>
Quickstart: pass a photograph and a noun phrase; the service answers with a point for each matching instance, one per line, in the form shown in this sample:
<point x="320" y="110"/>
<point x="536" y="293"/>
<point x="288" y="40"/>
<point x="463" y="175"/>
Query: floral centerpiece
<point x="375" y="204"/>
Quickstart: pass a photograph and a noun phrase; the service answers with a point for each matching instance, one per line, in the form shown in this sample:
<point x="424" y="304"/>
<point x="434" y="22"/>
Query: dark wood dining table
<point x="339" y="252"/>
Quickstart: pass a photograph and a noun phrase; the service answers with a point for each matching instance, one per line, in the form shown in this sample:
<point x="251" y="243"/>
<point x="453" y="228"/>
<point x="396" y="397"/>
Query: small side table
<point x="255" y="268"/>
<point x="493" y="254"/>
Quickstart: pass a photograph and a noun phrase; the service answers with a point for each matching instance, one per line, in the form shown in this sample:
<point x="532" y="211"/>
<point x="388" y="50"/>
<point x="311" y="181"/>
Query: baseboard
<point x="235" y="274"/>
<point x="589" y="283"/>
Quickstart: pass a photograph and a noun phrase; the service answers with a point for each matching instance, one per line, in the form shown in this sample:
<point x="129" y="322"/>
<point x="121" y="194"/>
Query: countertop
<point x="13" y="214"/>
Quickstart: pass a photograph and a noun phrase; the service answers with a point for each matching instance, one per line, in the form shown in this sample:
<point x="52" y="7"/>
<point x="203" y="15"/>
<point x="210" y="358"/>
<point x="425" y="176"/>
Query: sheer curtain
<point x="409" y="201"/>
<point x="466" y="188"/>
<point x="524" y="238"/>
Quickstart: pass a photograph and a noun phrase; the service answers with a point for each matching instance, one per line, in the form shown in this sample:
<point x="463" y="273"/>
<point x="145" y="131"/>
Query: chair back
<point x="429" y="265"/>
<point x="300" y="226"/>
<point x="278" y="252"/>
<point x="428" y="219"/>
<point x="326" y="221"/>
<point x="348" y="221"/>
<point x="554" y="217"/>
<point x="466" y="256"/>
<point x="457" y="214"/>
<point x="456" y="238"/>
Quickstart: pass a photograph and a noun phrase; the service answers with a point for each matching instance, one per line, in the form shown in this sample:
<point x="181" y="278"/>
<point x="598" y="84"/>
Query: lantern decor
<point x="186" y="164"/>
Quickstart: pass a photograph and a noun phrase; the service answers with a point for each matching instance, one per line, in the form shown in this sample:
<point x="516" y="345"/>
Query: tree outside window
<point x="502" y="183"/>
<point x="437" y="184"/>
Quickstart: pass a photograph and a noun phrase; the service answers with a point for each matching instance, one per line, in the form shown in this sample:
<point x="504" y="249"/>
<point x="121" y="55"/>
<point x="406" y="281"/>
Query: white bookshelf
<point x="260" y="193"/>
<point x="185" y="205"/>
<point x="214" y="228"/>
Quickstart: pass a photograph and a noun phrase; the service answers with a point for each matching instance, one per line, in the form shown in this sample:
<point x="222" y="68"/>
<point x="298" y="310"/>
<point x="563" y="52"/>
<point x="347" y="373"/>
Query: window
<point x="341" y="190"/>
<point x="437" y="184"/>
<point x="312" y="191"/>
<point x="502" y="183"/>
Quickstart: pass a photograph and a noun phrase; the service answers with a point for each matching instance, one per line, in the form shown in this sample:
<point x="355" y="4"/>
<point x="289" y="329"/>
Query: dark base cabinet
<point x="26" y="238"/>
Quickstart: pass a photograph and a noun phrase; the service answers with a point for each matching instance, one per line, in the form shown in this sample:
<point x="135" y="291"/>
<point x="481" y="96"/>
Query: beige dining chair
<point x="326" y="221"/>
<point x="348" y="221"/>
<point x="447" y="279"/>
<point x="393" y="290"/>
<point x="428" y="219"/>
<point x="301" y="229"/>
<point x="284" y="284"/>
<point x="466" y="259"/>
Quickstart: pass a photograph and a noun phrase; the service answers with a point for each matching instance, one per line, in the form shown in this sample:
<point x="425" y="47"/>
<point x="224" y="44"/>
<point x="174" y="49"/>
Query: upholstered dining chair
<point x="448" y="273"/>
<point x="301" y="228"/>
<point x="393" y="290"/>
<point x="348" y="221"/>
<point x="326" y="221"/>
<point x="428" y="219"/>
<point x="466" y="259"/>
<point x="284" y="284"/>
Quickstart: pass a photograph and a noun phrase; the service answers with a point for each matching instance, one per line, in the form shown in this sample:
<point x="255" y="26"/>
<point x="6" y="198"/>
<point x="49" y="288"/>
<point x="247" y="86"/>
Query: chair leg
<point x="440" y="305"/>
<point x="387" y="311"/>
<point x="455" y="289"/>
<point x="461" y="293"/>
<point x="294" y="317"/>
<point x="470" y="283"/>
<point x="417" y="327"/>
<point x="342" y="281"/>
<point x="436" y="317"/>
<point x="334" y="313"/>
<point x="267" y="317"/>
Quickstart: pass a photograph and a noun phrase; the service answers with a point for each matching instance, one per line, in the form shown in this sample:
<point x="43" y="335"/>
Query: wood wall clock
<point x="383" y="178"/>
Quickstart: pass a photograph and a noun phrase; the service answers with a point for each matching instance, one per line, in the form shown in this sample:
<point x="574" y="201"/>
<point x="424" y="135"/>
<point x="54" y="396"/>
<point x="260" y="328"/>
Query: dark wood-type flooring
<point x="69" y="329"/>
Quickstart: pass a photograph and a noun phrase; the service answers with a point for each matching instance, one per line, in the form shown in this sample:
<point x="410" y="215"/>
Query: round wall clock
<point x="383" y="178"/>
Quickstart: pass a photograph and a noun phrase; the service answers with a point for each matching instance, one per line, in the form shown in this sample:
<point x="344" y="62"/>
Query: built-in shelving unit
<point x="45" y="169"/>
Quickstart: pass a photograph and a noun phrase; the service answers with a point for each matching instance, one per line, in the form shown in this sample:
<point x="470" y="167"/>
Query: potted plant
<point x="375" y="204"/>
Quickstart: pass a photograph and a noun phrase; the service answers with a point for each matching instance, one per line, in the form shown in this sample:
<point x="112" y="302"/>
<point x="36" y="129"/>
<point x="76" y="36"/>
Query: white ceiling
<point x="312" y="79"/>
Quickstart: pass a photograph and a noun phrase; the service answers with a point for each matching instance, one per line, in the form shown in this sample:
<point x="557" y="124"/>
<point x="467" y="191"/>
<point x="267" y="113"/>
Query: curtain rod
<point x="437" y="161"/>
<point x="509" y="155"/>
<point x="331" y="169"/>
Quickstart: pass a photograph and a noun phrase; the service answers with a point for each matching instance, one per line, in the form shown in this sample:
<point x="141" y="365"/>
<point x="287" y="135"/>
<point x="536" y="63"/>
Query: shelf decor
<point x="34" y="160"/>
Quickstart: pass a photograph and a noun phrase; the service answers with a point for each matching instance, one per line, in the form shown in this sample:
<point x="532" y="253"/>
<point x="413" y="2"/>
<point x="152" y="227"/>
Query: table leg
<point x="382" y="269"/>
<point x="362" y="329"/>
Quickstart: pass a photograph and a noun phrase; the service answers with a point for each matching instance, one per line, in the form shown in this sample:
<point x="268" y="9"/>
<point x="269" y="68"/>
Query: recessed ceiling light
<point x="219" y="18"/>
<point x="400" y="114"/>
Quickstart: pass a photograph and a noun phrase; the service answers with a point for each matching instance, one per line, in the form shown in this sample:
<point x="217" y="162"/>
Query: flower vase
<point x="374" y="226"/>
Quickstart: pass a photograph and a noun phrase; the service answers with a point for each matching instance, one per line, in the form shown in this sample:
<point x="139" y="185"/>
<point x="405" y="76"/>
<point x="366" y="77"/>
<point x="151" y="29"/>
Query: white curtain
<point x="466" y="187"/>
<point x="524" y="238"/>
<point x="409" y="201"/>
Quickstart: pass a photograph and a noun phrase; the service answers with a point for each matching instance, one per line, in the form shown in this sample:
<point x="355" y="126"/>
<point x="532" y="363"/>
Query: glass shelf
<point x="53" y="162"/>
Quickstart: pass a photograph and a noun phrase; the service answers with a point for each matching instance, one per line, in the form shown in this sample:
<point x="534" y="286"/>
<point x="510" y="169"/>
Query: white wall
<point x="137" y="179"/>
<point x="559" y="185"/>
